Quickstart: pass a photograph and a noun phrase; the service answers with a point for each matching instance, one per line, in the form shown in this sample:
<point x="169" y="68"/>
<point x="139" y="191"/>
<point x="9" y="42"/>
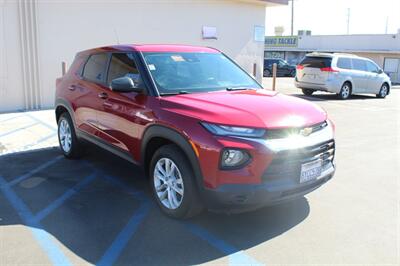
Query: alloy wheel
<point x="65" y="135"/>
<point x="168" y="183"/>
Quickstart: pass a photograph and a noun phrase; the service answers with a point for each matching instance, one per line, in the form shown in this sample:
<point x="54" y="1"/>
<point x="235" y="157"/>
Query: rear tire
<point x="69" y="143"/>
<point x="345" y="91"/>
<point x="383" y="92"/>
<point x="293" y="73"/>
<point x="175" y="191"/>
<point x="307" y="92"/>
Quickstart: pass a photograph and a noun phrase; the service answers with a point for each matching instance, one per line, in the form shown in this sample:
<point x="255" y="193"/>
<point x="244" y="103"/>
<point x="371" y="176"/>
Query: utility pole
<point x="348" y="21"/>
<point x="291" y="31"/>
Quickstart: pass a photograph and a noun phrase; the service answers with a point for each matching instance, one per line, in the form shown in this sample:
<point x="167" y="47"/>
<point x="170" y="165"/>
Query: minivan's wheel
<point x="383" y="91"/>
<point x="68" y="141"/>
<point x="173" y="183"/>
<point x="345" y="91"/>
<point x="307" y="92"/>
<point x="267" y="73"/>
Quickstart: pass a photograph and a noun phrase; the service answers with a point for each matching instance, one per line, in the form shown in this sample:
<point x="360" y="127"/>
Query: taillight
<point x="299" y="67"/>
<point x="328" y="69"/>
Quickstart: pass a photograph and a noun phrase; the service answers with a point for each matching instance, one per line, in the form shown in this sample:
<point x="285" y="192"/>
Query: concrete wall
<point x="53" y="31"/>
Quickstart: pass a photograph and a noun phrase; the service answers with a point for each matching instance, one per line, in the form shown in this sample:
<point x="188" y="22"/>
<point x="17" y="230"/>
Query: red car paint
<point x="121" y="119"/>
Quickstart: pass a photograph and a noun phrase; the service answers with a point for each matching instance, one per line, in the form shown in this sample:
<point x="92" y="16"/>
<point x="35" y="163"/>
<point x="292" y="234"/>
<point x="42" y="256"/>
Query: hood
<point x="247" y="108"/>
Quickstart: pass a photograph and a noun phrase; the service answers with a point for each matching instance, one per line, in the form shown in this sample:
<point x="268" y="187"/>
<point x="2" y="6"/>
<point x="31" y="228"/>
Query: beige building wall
<point x="53" y="31"/>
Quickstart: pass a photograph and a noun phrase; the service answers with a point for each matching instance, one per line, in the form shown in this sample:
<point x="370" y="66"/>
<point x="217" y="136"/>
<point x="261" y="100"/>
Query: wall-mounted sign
<point x="259" y="33"/>
<point x="209" y="32"/>
<point x="281" y="41"/>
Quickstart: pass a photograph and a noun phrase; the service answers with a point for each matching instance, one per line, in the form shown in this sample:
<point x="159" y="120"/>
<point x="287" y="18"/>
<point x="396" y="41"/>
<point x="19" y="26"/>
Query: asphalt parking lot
<point x="98" y="210"/>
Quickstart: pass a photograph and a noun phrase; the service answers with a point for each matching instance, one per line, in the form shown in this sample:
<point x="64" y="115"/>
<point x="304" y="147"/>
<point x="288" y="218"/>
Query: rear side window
<point x="122" y="65"/>
<point x="316" y="62"/>
<point x="95" y="67"/>
<point x="359" y="64"/>
<point x="344" y="63"/>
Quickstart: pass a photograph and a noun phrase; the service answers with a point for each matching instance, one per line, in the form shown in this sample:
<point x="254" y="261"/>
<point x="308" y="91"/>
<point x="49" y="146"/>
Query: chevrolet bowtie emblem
<point x="306" y="131"/>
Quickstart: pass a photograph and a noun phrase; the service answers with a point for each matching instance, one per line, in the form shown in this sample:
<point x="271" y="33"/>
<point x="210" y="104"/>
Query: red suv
<point x="207" y="134"/>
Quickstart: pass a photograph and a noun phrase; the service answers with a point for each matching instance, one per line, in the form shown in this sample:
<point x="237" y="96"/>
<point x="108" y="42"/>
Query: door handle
<point x="103" y="95"/>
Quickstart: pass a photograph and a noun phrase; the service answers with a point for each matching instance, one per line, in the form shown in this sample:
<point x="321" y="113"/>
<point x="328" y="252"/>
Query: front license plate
<point x="310" y="171"/>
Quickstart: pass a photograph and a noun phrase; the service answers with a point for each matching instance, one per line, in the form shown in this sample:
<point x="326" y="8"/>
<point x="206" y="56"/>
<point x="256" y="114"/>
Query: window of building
<point x="122" y="65"/>
<point x="95" y="67"/>
<point x="344" y="63"/>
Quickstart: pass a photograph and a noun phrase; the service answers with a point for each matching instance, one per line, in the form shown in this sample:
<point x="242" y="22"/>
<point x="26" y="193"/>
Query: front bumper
<point x="280" y="178"/>
<point x="234" y="198"/>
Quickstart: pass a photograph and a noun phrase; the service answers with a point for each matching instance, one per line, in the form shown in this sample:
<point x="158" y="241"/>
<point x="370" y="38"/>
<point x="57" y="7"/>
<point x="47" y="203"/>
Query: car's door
<point x="374" y="78"/>
<point x="121" y="116"/>
<point x="359" y="75"/>
<point x="86" y="90"/>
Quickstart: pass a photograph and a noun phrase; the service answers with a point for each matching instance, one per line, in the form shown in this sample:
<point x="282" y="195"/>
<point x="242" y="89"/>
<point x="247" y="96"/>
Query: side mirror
<point x="380" y="71"/>
<point x="125" y="84"/>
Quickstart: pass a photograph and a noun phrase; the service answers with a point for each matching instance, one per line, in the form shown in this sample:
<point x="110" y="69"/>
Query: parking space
<point x="98" y="210"/>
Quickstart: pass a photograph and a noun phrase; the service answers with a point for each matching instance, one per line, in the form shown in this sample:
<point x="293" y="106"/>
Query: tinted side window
<point x="316" y="62"/>
<point x="371" y="67"/>
<point x="269" y="62"/>
<point x="344" y="63"/>
<point x="359" y="64"/>
<point x="95" y="67"/>
<point x="122" y="65"/>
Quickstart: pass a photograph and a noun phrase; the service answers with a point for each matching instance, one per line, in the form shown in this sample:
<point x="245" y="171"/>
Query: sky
<point x="326" y="17"/>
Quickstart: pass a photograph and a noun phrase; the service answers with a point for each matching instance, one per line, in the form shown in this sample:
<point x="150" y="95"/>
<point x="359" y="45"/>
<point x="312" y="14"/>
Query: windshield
<point x="195" y="72"/>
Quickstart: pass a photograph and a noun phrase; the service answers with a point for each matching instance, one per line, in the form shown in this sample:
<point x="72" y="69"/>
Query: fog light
<point x="232" y="158"/>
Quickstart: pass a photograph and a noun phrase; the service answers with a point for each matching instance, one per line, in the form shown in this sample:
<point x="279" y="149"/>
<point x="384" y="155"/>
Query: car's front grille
<point x="284" y="133"/>
<point x="287" y="164"/>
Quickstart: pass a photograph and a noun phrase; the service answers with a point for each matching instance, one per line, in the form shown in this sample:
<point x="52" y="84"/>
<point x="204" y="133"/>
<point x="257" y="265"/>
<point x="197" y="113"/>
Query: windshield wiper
<point x="173" y="93"/>
<point x="237" y="88"/>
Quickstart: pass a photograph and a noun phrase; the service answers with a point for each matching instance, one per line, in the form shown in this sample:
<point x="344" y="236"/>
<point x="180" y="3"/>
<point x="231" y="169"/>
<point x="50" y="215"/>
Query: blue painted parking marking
<point x="44" y="239"/>
<point x="41" y="122"/>
<point x="236" y="257"/>
<point x="10" y="118"/>
<point x="34" y="171"/>
<point x="68" y="194"/>
<point x="17" y="129"/>
<point x="52" y="135"/>
<point x="118" y="245"/>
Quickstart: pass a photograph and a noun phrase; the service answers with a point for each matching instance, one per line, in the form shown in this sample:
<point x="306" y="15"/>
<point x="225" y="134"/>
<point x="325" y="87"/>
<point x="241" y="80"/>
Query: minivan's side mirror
<point x="380" y="71"/>
<point x="125" y="84"/>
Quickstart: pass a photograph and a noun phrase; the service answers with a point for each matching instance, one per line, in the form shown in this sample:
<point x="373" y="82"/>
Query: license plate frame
<point x="310" y="171"/>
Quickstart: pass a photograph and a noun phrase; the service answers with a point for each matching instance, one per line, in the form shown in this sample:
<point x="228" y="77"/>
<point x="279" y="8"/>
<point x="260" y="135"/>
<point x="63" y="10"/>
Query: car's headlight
<point x="221" y="130"/>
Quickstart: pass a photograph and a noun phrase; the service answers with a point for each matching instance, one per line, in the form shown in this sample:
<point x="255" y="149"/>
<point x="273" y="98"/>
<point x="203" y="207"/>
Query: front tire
<point x="307" y="92"/>
<point x="69" y="143"/>
<point x="267" y="73"/>
<point x="173" y="183"/>
<point x="383" y="92"/>
<point x="345" y="91"/>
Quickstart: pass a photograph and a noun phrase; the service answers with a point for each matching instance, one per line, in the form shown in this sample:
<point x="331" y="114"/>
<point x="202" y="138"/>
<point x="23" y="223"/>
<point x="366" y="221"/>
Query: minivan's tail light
<point x="328" y="69"/>
<point x="299" y="67"/>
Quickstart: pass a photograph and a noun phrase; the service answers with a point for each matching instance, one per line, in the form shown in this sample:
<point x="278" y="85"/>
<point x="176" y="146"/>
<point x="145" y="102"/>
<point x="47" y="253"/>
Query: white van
<point x="343" y="74"/>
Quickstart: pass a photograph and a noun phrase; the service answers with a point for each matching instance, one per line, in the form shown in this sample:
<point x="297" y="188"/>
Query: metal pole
<point x="274" y="68"/>
<point x="348" y="21"/>
<point x="63" y="68"/>
<point x="292" y="18"/>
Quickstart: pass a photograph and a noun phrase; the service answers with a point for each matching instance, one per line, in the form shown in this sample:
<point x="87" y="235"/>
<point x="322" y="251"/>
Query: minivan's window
<point x="344" y="63"/>
<point x="316" y="62"/>
<point x="371" y="67"/>
<point x="95" y="67"/>
<point x="196" y="72"/>
<point x="122" y="65"/>
<point x="359" y="64"/>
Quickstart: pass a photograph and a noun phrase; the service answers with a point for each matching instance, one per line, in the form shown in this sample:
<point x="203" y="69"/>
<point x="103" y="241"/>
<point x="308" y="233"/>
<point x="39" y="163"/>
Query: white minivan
<point x="343" y="74"/>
